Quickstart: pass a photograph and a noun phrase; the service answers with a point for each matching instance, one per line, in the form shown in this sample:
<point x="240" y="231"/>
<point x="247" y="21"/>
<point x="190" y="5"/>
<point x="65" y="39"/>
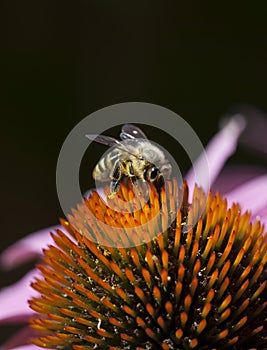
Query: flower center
<point x="133" y="279"/>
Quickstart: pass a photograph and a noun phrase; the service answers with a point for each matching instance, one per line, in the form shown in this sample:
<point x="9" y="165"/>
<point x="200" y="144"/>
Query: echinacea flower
<point x="201" y="287"/>
<point x="188" y="288"/>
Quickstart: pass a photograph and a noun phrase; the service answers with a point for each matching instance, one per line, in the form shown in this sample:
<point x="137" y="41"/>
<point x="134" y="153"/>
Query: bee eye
<point x="154" y="173"/>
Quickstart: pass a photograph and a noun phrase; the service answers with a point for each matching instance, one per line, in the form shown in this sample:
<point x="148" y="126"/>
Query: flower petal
<point x="27" y="248"/>
<point x="235" y="175"/>
<point x="219" y="149"/>
<point x="14" y="299"/>
<point x="251" y="195"/>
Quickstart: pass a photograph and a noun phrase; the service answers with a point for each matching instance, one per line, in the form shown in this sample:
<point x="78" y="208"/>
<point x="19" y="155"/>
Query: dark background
<point x="60" y="61"/>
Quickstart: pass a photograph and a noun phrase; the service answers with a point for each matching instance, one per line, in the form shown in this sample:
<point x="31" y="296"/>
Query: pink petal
<point x="235" y="175"/>
<point x="14" y="299"/>
<point x="252" y="195"/>
<point x="27" y="248"/>
<point x="219" y="149"/>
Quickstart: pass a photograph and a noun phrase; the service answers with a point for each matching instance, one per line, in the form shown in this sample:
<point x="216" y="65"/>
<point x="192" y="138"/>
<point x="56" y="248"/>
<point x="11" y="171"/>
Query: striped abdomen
<point x="105" y="166"/>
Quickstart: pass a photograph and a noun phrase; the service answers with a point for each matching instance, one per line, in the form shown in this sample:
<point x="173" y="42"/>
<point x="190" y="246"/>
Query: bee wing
<point x="107" y="140"/>
<point x="110" y="141"/>
<point x="130" y="131"/>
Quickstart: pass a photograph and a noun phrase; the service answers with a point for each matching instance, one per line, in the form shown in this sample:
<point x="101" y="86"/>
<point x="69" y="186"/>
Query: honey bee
<point x="133" y="157"/>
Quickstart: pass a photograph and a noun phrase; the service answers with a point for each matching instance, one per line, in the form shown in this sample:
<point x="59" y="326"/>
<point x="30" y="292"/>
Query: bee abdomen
<point x="104" y="166"/>
<point x="101" y="170"/>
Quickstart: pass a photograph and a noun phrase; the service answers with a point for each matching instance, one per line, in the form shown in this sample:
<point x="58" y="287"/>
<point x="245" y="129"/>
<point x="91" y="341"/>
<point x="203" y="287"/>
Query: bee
<point x="133" y="158"/>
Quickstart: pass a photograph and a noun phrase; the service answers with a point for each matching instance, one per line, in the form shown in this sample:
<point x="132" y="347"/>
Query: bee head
<point x="153" y="175"/>
<point x="158" y="175"/>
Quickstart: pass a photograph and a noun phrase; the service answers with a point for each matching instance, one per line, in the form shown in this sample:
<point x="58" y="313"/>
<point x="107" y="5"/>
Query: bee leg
<point x="114" y="188"/>
<point x="115" y="180"/>
<point x="130" y="171"/>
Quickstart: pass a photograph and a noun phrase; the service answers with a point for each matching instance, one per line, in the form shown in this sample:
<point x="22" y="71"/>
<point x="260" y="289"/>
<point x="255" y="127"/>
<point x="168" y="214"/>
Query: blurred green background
<point x="61" y="60"/>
